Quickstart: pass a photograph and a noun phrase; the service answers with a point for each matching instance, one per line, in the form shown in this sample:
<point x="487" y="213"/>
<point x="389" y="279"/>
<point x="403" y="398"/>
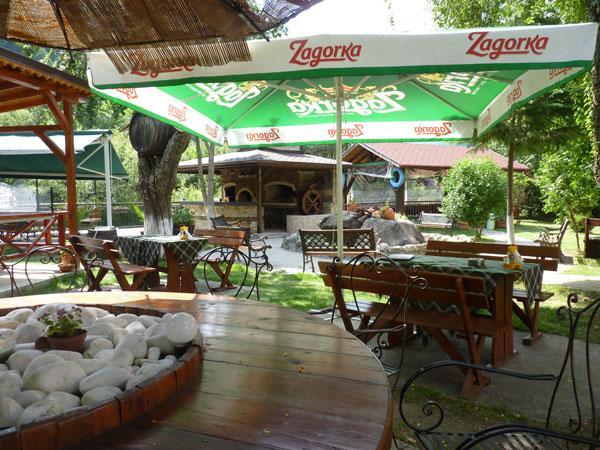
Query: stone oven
<point x="263" y="188"/>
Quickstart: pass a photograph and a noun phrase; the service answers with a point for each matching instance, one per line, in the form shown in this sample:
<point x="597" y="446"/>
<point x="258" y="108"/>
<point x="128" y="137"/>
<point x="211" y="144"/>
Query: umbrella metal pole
<point x="107" y="180"/>
<point x="339" y="191"/>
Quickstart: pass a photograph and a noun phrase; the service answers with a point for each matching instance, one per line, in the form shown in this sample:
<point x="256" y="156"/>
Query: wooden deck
<point x="272" y="377"/>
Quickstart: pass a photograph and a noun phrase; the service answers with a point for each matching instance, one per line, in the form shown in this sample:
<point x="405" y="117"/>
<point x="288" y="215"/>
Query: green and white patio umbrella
<point x="442" y="86"/>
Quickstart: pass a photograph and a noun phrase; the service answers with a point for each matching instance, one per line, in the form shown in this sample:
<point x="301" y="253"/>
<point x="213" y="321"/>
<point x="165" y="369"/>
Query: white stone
<point x="156" y="329"/>
<point x="121" y="358"/>
<point x="3" y="367"/>
<point x="161" y="341"/>
<point x="136" y="327"/>
<point x="88" y="317"/>
<point x="109" y="376"/>
<point x="105" y="354"/>
<point x="92" y="365"/>
<point x="151" y="368"/>
<point x="40" y="410"/>
<point x="20" y="360"/>
<point x="99" y="394"/>
<point x="9" y="323"/>
<point x="135" y="343"/>
<point x="49" y="308"/>
<point x="89" y="338"/>
<point x="63" y="376"/>
<point x="181" y="328"/>
<point x="10" y="411"/>
<point x="27" y="333"/>
<point x="112" y="320"/>
<point x="69" y="401"/>
<point x="10" y="383"/>
<point x="20" y="314"/>
<point x="97" y="346"/>
<point x="99" y="312"/>
<point x="65" y="354"/>
<point x="39" y="361"/>
<point x="148" y="320"/>
<point x="101" y="329"/>
<point x="117" y="335"/>
<point x="166" y="317"/>
<point x="153" y="353"/>
<point x="127" y="317"/>
<point x="28" y="346"/>
<point x="29" y="397"/>
<point x="8" y="340"/>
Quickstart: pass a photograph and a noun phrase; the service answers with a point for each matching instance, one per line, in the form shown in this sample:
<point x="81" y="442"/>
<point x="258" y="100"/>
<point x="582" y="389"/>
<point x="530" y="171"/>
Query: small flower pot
<point x="73" y="343"/>
<point x="389" y="214"/>
<point x="67" y="263"/>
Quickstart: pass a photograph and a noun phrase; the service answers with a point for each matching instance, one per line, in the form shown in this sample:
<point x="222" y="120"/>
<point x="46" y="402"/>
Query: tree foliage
<point x="566" y="180"/>
<point x="473" y="189"/>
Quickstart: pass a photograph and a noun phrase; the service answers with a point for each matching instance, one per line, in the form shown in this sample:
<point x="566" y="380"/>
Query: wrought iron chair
<point x="582" y="433"/>
<point x="37" y="275"/>
<point x="375" y="275"/>
<point x="257" y="246"/>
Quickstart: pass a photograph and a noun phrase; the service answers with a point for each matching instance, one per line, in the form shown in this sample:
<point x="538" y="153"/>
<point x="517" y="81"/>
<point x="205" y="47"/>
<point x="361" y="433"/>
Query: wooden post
<point x="70" y="169"/>
<point x="61" y="229"/>
<point x="400" y="204"/>
<point x="259" y="215"/>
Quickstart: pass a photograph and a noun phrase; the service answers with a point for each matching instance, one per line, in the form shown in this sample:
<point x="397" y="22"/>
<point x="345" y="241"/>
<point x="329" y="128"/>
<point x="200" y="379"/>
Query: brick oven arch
<point x="242" y="195"/>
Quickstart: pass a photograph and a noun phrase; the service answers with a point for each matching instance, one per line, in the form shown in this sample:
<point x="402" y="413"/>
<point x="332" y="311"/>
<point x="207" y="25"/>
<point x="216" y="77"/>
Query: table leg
<point x="187" y="278"/>
<point x="502" y="342"/>
<point x="47" y="232"/>
<point x="173" y="275"/>
<point x="61" y="229"/>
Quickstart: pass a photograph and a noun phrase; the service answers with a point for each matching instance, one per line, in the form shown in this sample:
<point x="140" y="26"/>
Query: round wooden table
<point x="272" y="377"/>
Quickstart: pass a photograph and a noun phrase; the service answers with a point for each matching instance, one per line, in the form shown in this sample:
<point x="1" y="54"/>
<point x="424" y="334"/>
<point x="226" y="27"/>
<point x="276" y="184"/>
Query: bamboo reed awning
<point x="147" y="35"/>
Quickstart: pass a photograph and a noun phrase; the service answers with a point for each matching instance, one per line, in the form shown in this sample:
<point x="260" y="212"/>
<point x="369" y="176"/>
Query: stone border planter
<point x="84" y="423"/>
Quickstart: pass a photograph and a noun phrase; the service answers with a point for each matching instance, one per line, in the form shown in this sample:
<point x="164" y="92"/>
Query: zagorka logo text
<point x="515" y="94"/>
<point x="226" y="94"/>
<point x="313" y="56"/>
<point x="493" y="48"/>
<point x="381" y="102"/>
<point x="155" y="73"/>
<point x="553" y="73"/>
<point x="263" y="136"/>
<point x="348" y="132"/>
<point x="211" y="131"/>
<point x="486" y="119"/>
<point x="130" y="93"/>
<point x="177" y="112"/>
<point x="433" y="130"/>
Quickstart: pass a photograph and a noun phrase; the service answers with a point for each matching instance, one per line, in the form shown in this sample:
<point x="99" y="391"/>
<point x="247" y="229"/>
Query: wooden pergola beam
<point x="51" y="145"/>
<point x="31" y="128"/>
<point x="22" y="103"/>
<point x="55" y="108"/>
<point x="16" y="92"/>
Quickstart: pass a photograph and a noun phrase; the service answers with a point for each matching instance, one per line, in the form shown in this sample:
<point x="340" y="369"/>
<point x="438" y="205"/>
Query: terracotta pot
<point x="67" y="262"/>
<point x="74" y="343"/>
<point x="389" y="214"/>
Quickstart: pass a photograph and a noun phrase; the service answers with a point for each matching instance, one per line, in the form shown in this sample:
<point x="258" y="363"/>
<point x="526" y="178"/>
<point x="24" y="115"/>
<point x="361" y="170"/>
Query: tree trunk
<point x="209" y="199"/>
<point x="594" y="8"/>
<point x="510" y="224"/>
<point x="158" y="176"/>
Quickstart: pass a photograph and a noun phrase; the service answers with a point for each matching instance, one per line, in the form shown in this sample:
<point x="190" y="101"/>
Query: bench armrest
<point x="431" y="407"/>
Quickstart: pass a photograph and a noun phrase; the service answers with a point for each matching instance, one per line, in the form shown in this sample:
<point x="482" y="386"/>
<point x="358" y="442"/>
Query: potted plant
<point x="387" y="212"/>
<point x="64" y="330"/>
<point x="183" y="216"/>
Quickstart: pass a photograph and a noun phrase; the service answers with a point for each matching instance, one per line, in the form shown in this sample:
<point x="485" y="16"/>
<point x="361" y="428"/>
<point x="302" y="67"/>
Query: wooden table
<point x="12" y="225"/>
<point x="501" y="282"/>
<point x="272" y="377"/>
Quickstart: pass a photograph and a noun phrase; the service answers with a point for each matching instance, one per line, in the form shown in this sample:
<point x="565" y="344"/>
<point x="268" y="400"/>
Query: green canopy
<point x="24" y="155"/>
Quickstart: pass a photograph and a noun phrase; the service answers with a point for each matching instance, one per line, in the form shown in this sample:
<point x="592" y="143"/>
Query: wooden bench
<point x="592" y="243"/>
<point x="553" y="237"/>
<point x="546" y="256"/>
<point x="324" y="243"/>
<point x="435" y="220"/>
<point x="104" y="256"/>
<point x="442" y="303"/>
<point x="578" y="432"/>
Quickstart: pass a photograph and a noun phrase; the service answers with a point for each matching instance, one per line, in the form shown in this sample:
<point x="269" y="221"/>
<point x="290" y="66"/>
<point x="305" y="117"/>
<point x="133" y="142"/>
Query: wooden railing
<point x="410" y="208"/>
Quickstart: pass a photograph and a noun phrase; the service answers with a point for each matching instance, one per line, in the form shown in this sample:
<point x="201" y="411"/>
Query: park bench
<point x="546" y="256"/>
<point x="324" y="243"/>
<point x="592" y="243"/>
<point x="552" y="237"/>
<point x="104" y="255"/>
<point x="435" y="220"/>
<point x="437" y="302"/>
<point x="569" y="382"/>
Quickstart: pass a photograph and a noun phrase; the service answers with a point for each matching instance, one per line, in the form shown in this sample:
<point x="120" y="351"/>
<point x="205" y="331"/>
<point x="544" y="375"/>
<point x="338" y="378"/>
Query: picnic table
<point x="14" y="225"/>
<point x="271" y="377"/>
<point x="499" y="282"/>
<point x="181" y="256"/>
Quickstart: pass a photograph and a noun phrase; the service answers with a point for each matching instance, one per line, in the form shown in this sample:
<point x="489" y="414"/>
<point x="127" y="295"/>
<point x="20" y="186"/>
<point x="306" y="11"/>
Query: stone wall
<point x="244" y="212"/>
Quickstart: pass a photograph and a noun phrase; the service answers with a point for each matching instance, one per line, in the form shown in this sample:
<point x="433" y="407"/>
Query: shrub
<point x="473" y="189"/>
<point x="183" y="216"/>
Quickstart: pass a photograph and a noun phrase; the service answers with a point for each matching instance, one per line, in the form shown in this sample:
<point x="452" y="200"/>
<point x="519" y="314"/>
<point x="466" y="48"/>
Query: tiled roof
<point x="260" y="156"/>
<point x="425" y="156"/>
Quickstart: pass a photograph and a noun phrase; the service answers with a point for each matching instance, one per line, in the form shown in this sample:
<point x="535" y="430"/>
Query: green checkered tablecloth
<point x="146" y="250"/>
<point x="530" y="274"/>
